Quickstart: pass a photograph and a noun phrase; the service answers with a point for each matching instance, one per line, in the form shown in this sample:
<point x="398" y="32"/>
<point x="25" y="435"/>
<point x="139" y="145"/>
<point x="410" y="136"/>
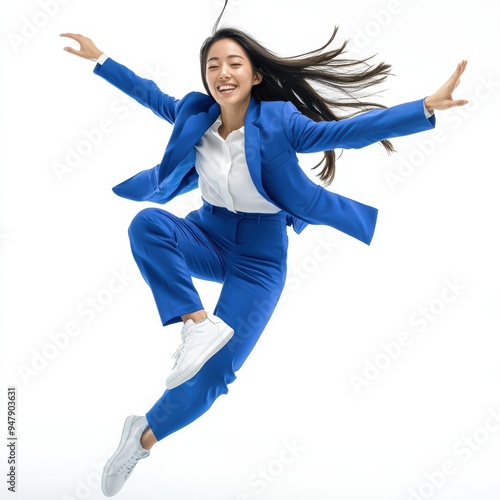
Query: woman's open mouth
<point x="226" y="89"/>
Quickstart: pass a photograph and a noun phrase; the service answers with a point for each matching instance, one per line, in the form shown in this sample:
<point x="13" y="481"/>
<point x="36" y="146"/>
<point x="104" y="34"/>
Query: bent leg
<point x="170" y="250"/>
<point x="248" y="298"/>
<point x="248" y="314"/>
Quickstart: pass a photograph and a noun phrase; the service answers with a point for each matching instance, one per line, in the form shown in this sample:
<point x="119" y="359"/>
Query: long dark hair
<point x="292" y="79"/>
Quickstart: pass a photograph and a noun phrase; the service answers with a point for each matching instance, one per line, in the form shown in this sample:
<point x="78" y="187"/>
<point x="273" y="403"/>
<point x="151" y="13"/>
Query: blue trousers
<point x="244" y="252"/>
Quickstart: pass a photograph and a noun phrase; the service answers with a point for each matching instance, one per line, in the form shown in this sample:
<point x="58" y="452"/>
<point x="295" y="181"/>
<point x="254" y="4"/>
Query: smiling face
<point x="229" y="74"/>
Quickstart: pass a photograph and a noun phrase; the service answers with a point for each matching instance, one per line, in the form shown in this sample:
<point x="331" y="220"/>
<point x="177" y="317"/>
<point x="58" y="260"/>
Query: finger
<point x="463" y="65"/>
<point x="452" y="81"/>
<point x="457" y="72"/>
<point x="71" y="50"/>
<point x="461" y="102"/>
<point x="455" y="77"/>
<point x="455" y="103"/>
<point x="73" y="36"/>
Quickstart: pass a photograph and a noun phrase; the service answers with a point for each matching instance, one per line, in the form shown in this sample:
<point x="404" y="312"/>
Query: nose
<point x="224" y="73"/>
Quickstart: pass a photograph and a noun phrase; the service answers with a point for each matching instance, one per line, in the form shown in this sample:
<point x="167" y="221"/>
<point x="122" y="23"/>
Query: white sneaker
<point x="119" y="467"/>
<point x="200" y="341"/>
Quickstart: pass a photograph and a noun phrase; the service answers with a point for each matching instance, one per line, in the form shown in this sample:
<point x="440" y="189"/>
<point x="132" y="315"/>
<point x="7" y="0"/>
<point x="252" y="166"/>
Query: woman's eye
<point x="213" y="67"/>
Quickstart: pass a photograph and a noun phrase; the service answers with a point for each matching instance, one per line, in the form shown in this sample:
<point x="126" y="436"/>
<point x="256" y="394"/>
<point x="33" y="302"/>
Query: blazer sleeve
<point x="307" y="136"/>
<point x="144" y="91"/>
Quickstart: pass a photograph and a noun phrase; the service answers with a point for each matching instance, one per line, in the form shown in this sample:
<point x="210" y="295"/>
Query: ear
<point x="257" y="77"/>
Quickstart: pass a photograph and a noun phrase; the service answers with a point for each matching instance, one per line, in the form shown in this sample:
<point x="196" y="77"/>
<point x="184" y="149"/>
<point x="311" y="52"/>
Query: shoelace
<point x="185" y="334"/>
<point x="129" y="465"/>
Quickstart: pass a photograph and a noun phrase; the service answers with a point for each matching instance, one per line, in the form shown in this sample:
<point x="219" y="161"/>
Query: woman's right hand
<point x="88" y="50"/>
<point x="443" y="99"/>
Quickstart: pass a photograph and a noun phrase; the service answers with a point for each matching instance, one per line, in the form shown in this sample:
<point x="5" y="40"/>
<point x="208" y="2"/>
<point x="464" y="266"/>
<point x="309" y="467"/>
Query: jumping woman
<point x="238" y="144"/>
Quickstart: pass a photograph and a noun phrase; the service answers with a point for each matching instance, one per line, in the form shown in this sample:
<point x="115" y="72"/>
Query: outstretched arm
<point x="308" y="136"/>
<point x="143" y="90"/>
<point x="443" y="99"/>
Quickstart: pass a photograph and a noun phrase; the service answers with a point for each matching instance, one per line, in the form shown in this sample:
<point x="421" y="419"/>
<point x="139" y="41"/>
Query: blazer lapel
<point x="252" y="147"/>
<point x="184" y="139"/>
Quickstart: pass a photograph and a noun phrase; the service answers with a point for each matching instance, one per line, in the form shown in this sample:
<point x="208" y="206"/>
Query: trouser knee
<point x="142" y="223"/>
<point x="148" y="225"/>
<point x="218" y="371"/>
<point x="216" y="375"/>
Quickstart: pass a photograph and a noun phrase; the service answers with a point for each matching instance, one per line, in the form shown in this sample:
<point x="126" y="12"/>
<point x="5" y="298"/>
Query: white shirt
<point x="224" y="177"/>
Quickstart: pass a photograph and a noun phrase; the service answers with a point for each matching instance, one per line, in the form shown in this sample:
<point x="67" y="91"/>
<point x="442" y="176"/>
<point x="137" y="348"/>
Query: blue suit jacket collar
<point x="198" y="124"/>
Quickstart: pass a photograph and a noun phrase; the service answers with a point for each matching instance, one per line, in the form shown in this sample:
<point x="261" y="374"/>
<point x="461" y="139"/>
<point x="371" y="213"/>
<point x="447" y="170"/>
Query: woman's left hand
<point x="443" y="99"/>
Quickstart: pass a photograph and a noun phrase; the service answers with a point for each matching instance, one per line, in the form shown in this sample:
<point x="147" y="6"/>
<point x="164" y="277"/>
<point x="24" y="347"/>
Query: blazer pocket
<point x="277" y="162"/>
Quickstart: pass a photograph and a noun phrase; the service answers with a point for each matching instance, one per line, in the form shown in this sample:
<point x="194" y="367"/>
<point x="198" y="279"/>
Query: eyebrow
<point x="229" y="57"/>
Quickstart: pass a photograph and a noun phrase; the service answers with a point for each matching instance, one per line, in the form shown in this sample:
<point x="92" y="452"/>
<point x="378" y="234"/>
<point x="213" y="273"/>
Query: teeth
<point x="226" y="87"/>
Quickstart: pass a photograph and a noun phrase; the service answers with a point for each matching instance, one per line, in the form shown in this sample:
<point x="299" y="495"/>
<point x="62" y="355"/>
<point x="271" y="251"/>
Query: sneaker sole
<point x="213" y="349"/>
<point x="127" y="427"/>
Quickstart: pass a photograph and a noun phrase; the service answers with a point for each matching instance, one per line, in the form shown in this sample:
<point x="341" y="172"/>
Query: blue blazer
<point x="274" y="132"/>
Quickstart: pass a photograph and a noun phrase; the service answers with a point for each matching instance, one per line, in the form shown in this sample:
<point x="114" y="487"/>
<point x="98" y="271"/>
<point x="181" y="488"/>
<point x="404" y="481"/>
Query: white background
<point x="63" y="237"/>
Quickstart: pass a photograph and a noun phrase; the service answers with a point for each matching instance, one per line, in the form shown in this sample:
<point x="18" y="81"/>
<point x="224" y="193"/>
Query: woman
<point x="239" y="144"/>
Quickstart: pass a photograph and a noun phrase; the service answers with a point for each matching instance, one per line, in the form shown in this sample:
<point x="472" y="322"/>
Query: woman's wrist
<point x="429" y="105"/>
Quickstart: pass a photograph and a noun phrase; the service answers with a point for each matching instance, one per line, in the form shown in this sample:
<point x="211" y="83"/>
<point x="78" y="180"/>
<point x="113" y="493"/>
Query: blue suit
<point x="274" y="133"/>
<point x="244" y="252"/>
